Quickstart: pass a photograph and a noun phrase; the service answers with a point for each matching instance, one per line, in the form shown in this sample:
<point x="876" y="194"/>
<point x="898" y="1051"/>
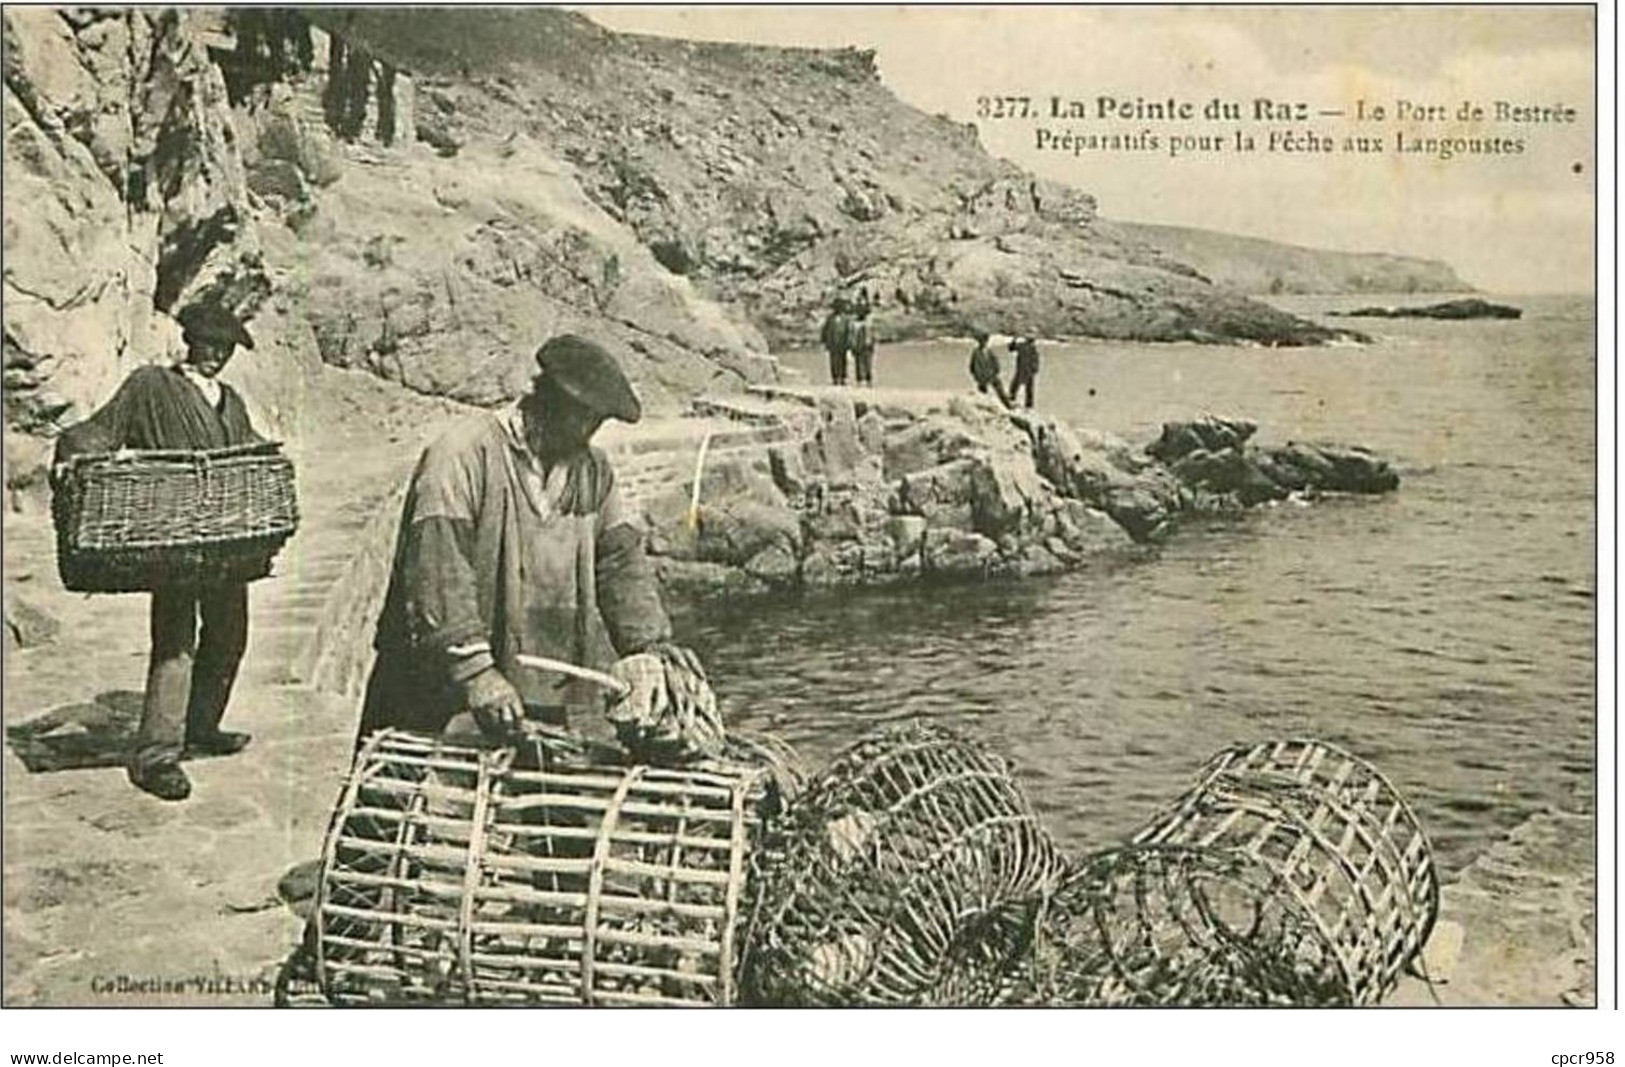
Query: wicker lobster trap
<point x="471" y="875"/>
<point x="134" y="521"/>
<point x="1291" y="873"/>
<point x="911" y="871"/>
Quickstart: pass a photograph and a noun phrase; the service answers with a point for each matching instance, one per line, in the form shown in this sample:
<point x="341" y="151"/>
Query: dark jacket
<point x="836" y="332"/>
<point x="159" y="408"/>
<point x="1026" y="358"/>
<point x="984" y="364"/>
<point x="860" y="337"/>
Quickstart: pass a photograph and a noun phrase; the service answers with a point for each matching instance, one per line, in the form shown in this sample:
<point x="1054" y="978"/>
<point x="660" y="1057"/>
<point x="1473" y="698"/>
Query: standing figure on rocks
<point x="861" y="339"/>
<point x="984" y="369"/>
<point x="191" y="672"/>
<point x="835" y="336"/>
<point x="515" y="539"/>
<point x="1026" y="375"/>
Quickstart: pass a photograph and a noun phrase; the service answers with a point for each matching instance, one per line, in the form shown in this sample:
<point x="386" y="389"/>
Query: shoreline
<point x="87" y="903"/>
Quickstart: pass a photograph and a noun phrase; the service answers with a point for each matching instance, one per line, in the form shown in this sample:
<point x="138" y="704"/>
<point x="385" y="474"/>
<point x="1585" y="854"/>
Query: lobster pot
<point x="136" y="521"/>
<point x="455" y="874"/>
<point x="1292" y="873"/>
<point x="911" y="871"/>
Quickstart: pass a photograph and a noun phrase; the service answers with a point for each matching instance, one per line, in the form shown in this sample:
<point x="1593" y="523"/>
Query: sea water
<point x="1445" y="632"/>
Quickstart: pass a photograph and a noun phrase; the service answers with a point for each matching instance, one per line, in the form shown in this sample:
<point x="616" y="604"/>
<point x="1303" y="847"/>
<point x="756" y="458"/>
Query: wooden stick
<point x="615" y="686"/>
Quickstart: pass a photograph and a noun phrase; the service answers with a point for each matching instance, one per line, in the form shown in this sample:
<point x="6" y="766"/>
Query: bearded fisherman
<point x="516" y="541"/>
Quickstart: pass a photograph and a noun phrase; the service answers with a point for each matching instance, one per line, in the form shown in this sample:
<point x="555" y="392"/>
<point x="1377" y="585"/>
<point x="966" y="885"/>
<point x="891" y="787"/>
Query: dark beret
<point x="211" y="322"/>
<point x="588" y="373"/>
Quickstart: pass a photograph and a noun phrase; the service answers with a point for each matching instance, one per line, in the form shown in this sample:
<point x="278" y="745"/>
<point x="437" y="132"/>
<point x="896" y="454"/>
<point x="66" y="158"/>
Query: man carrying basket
<point x="191" y="671"/>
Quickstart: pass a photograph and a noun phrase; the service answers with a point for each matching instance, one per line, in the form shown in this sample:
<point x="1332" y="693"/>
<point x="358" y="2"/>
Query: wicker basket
<point x="453" y="874"/>
<point x="1292" y="873"/>
<point x="912" y="871"/>
<point x="136" y="521"/>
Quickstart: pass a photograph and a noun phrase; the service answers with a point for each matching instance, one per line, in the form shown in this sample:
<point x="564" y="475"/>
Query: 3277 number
<point x="1004" y="107"/>
<point x="1582" y="1059"/>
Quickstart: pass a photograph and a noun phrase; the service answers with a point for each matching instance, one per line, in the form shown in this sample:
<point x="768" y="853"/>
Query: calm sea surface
<point x="1445" y="632"/>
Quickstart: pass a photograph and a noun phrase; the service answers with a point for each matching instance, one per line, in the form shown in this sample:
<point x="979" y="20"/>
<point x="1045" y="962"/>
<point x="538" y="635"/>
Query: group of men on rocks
<point x="847" y="332"/>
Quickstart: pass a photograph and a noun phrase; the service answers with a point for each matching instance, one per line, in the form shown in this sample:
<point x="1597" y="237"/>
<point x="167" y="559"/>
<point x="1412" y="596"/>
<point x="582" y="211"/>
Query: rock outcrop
<point x="1251" y="265"/>
<point x="137" y="184"/>
<point x="125" y="200"/>
<point x="1470" y="308"/>
<point x="878" y="488"/>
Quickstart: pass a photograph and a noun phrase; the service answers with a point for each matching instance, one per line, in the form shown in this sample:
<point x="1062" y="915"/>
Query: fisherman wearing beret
<point x="515" y="539"/>
<point x="191" y="670"/>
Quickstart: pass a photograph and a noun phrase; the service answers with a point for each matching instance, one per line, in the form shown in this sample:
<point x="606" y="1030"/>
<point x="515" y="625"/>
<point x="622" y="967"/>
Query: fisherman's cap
<point x="211" y="322"/>
<point x="979" y="333"/>
<point x="589" y="374"/>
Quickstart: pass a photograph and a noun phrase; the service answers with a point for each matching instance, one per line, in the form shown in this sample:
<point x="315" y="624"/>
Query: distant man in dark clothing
<point x="516" y="539"/>
<point x="836" y="338"/>
<point x="984" y="369"/>
<point x="861" y="339"/>
<point x="1026" y="375"/>
<point x="190" y="673"/>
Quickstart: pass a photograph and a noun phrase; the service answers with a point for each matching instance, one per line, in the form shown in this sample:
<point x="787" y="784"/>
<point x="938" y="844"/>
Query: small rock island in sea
<point x="1470" y="308"/>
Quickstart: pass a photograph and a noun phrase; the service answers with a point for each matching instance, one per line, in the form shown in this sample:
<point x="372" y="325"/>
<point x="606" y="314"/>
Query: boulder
<point x="945" y="494"/>
<point x="1229" y="471"/>
<point x="737" y="531"/>
<point x="776" y="565"/>
<point x="1083" y="531"/>
<point x="956" y="551"/>
<point x="907" y="533"/>
<point x="1007" y="495"/>
<point x="1331" y="468"/>
<point x="1207" y="432"/>
<point x="925" y="443"/>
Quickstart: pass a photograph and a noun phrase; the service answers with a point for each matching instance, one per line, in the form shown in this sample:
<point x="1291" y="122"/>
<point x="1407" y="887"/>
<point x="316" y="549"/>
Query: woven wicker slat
<point x="141" y="520"/>
<point x="1291" y="873"/>
<point x="910" y="871"/>
<point x="450" y="875"/>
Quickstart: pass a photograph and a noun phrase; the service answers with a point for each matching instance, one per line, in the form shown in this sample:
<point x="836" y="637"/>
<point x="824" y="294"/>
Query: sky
<point x="1508" y="222"/>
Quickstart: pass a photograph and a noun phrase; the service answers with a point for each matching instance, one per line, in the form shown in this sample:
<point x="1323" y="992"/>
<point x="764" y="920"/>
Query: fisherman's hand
<point x="495" y="704"/>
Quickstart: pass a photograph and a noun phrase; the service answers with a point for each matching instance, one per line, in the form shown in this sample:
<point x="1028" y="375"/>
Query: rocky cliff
<point x="775" y="178"/>
<point x="1257" y="266"/>
<point x="428" y="193"/>
<point x="148" y="167"/>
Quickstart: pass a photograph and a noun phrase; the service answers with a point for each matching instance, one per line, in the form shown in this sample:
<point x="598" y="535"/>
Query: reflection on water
<point x="1445" y="632"/>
